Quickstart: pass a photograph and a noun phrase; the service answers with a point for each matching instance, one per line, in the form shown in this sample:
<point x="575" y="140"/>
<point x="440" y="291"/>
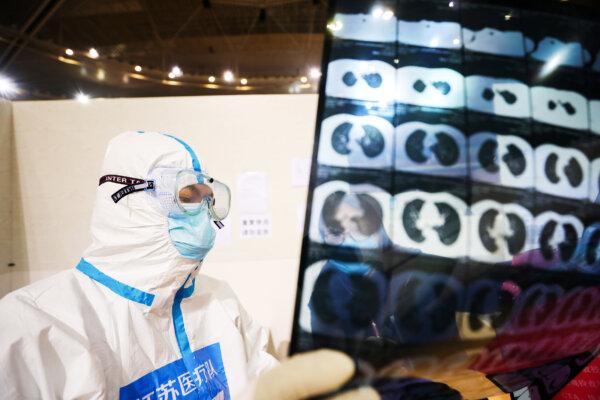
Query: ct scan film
<point x="452" y="236"/>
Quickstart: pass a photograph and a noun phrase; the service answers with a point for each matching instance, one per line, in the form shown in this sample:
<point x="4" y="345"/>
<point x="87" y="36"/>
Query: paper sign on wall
<point x="252" y="189"/>
<point x="255" y="225"/>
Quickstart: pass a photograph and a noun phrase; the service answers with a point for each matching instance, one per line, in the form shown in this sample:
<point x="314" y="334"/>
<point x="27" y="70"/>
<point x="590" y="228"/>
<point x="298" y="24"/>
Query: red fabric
<point x="585" y="386"/>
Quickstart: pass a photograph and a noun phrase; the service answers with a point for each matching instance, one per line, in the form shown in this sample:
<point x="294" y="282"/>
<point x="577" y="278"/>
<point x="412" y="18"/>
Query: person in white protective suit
<point x="134" y="320"/>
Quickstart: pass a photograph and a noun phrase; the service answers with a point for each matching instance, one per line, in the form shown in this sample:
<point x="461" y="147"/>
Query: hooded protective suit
<point x="132" y="321"/>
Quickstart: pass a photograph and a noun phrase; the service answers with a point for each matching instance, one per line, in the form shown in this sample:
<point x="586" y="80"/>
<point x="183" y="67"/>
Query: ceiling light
<point x="228" y="76"/>
<point x="507" y="17"/>
<point x="456" y="41"/>
<point x="176" y="72"/>
<point x="303" y="79"/>
<point x="244" y="81"/>
<point x="171" y="75"/>
<point x="377" y="12"/>
<point x="82" y="98"/>
<point x="138" y="68"/>
<point x="93" y="53"/>
<point x="7" y="87"/>
<point x="451" y="4"/>
<point x="315" y="73"/>
<point x="294" y="89"/>
<point x="69" y="52"/>
<point x="212" y="79"/>
<point x="387" y="15"/>
<point x="335" y="26"/>
<point x="101" y="74"/>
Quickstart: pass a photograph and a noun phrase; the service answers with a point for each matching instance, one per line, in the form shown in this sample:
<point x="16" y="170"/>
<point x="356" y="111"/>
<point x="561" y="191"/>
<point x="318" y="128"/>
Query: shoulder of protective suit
<point x="31" y="293"/>
<point x="51" y="303"/>
<point x="39" y="326"/>
<point x="37" y="309"/>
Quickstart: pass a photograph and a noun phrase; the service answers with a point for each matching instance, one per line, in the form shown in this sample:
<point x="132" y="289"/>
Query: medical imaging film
<point x="453" y="216"/>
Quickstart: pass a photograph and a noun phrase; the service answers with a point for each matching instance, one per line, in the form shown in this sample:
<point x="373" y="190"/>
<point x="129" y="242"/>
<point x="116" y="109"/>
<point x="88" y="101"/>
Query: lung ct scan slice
<point x="356" y="141"/>
<point x="430" y="149"/>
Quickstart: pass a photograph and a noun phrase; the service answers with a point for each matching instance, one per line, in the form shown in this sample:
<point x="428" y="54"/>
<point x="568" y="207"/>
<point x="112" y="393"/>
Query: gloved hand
<point x="311" y="374"/>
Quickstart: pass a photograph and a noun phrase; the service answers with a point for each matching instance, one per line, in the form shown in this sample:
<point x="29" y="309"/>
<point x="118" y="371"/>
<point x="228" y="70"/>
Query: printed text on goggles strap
<point x="132" y="185"/>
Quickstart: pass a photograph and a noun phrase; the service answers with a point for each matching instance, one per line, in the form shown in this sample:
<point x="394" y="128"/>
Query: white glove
<point x="311" y="374"/>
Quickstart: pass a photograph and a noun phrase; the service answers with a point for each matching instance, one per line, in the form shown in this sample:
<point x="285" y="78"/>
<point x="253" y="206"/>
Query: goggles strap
<point x="132" y="185"/>
<point x="219" y="224"/>
<point x="120" y="179"/>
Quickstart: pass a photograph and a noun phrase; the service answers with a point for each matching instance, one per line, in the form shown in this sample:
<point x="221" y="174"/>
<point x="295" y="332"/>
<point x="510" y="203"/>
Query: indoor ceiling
<point x="273" y="44"/>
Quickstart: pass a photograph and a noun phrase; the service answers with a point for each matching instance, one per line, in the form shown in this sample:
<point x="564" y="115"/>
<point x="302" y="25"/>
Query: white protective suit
<point x="133" y="320"/>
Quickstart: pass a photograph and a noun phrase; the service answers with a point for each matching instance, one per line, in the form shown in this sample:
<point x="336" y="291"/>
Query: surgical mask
<point x="192" y="235"/>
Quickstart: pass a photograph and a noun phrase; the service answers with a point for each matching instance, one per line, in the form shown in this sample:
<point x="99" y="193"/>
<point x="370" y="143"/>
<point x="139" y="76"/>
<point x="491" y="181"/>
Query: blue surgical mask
<point x="192" y="235"/>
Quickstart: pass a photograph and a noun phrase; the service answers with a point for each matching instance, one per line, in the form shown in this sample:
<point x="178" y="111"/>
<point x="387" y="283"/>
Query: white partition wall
<point x="59" y="146"/>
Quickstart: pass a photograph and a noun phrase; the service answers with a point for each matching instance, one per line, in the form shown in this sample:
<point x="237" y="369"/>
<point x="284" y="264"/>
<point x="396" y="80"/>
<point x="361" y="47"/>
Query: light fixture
<point x="294" y="89"/>
<point x="68" y="60"/>
<point x="377" y="12"/>
<point x="7" y="87"/>
<point x="387" y="15"/>
<point x="82" y="98"/>
<point x="303" y="79"/>
<point x="93" y="53"/>
<point x="456" y="41"/>
<point x="212" y="79"/>
<point x="176" y="72"/>
<point x="508" y="17"/>
<point x="244" y="81"/>
<point x="100" y="74"/>
<point x="138" y="68"/>
<point x="335" y="26"/>
<point x="396" y="61"/>
<point x="451" y="4"/>
<point x="315" y="73"/>
<point x="69" y="52"/>
<point x="228" y="76"/>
